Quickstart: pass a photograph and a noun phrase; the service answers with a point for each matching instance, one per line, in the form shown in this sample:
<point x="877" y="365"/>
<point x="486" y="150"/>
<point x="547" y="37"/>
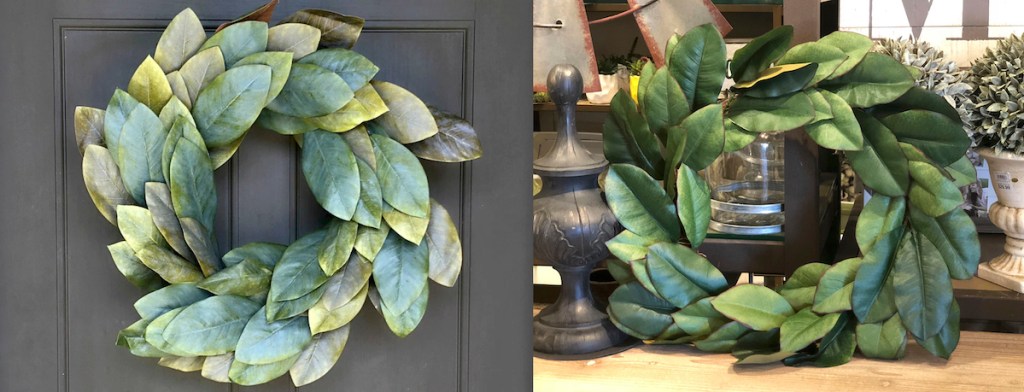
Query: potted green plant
<point x="614" y="76"/>
<point x="636" y="67"/>
<point x="997" y="122"/>
<point x="912" y="235"/>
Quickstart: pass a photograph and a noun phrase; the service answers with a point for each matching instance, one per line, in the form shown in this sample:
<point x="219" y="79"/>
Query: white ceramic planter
<point x="610" y="85"/>
<point x="1007" y="173"/>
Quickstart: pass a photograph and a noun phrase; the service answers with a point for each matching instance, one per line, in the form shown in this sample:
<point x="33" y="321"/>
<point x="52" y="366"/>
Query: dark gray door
<point x="61" y="299"/>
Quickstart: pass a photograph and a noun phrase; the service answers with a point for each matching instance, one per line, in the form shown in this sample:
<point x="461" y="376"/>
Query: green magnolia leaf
<point x="761" y="359"/>
<point x="874" y="299"/>
<point x="280" y="64"/>
<point x="370" y="207"/>
<point x="828" y="58"/>
<point x="442" y="237"/>
<point x="886" y="340"/>
<point x="311" y="91"/>
<point x="756" y="307"/>
<point x="285" y="125"/>
<point x="174" y="109"/>
<point x="408" y="120"/>
<point x="455" y="141"/>
<point x="402" y="324"/>
<point x="409" y="227"/>
<point x="920" y="99"/>
<point x="140" y="144"/>
<point x="132" y="268"/>
<point x="629" y="246"/>
<point x="736" y="137"/>
<point x="724" y="339"/>
<point x="699" y="139"/>
<point x="799" y="289"/>
<point x="759" y="54"/>
<point x="693" y="204"/>
<point x="263" y="342"/>
<point x="179" y="89"/>
<point x="836" y="287"/>
<point x="180" y="40"/>
<point x="941" y="138"/>
<point x="155" y="330"/>
<point x="922" y="286"/>
<point x="699" y="318"/>
<point x="855" y="46"/>
<point x="638" y="312"/>
<point x="217" y="367"/>
<point x="132" y="337"/>
<point x="242" y="373"/>
<point x="369" y="240"/>
<point x="366" y="105"/>
<point x="336" y="248"/>
<point x="693" y="266"/>
<point x="882" y="157"/>
<point x="838" y="346"/>
<point x="697" y="63"/>
<point x="200" y="70"/>
<point x="620" y="271"/>
<point x="944" y="342"/>
<point x="343" y="296"/>
<point x="642" y="276"/>
<point x="239" y="40"/>
<point x="137" y="228"/>
<point x="338" y="30"/>
<point x="640" y="204"/>
<point x="280" y="310"/>
<point x="297" y="38"/>
<point x="402" y="179"/>
<point x="400" y="272"/>
<point x="120" y="108"/>
<point x="149" y="85"/>
<point x="665" y="104"/>
<point x="203" y="244"/>
<point x="959" y="248"/>
<point x="192" y="188"/>
<point x="158" y="198"/>
<point x="780" y="81"/>
<point x="663" y="267"/>
<point x="931" y="191"/>
<point x="181" y="128"/>
<point x="250" y="277"/>
<point x="356" y="69"/>
<point x="103" y="181"/>
<point x="804" y="328"/>
<point x="882" y="215"/>
<point x="264" y="252"/>
<point x="161" y="301"/>
<point x="628" y="139"/>
<point x="211" y="326"/>
<point x="298" y="272"/>
<point x="646" y="77"/>
<point x="331" y="172"/>
<point x="319" y="356"/>
<point x="842" y="131"/>
<point x="822" y="109"/>
<point x="88" y="127"/>
<point x="963" y="172"/>
<point x="220" y="155"/>
<point x="168" y="265"/>
<point x="772" y="114"/>
<point x="876" y="80"/>
<point x="229" y="105"/>
<point x="182" y="364"/>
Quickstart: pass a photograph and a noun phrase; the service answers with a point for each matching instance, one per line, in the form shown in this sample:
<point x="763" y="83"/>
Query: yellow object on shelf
<point x="634" y="85"/>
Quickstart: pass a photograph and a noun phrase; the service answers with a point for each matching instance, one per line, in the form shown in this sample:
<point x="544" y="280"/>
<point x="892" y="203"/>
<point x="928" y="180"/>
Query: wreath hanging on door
<point x="262" y="310"/>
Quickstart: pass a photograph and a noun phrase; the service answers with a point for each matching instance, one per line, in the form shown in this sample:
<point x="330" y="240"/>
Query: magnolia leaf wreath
<point x="262" y="310"/>
<point x="906" y="143"/>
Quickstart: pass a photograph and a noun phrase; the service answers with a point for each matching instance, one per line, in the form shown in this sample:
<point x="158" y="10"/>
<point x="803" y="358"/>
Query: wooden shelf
<point x="724" y="8"/>
<point x="581" y="106"/>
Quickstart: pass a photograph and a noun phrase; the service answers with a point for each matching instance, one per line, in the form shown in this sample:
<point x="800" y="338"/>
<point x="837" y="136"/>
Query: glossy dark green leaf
<point x="920" y="99"/>
<point x="336" y="248"/>
<point x="699" y="318"/>
<point x="103" y="181"/>
<point x="854" y="45"/>
<point x="800" y="287"/>
<point x="822" y="109"/>
<point x="665" y="104"/>
<point x="149" y="85"/>
<point x="171" y="267"/>
<point x="200" y="70"/>
<point x="828" y="58"/>
<point x="842" y="131"/>
<point x="139" y="146"/>
<point x="311" y="91"/>
<point x="759" y="54"/>
<point x="211" y="326"/>
<point x="697" y="63"/>
<point x="874" y="299"/>
<point x="296" y="38"/>
<point x="886" y="340"/>
<point x="876" y="80"/>
<point x="693" y="204"/>
<point x="370" y="207"/>
<point x="642" y="276"/>
<point x="882" y="157"/>
<point x="941" y="138"/>
<point x="242" y="373"/>
<point x="338" y="30"/>
<point x="331" y="172"/>
<point x="319" y="356"/>
<point x="455" y="141"/>
<point x="203" y="244"/>
<point x="298" y="273"/>
<point x="931" y="191"/>
<point x="343" y="297"/>
<point x="249" y="277"/>
<point x="772" y="114"/>
<point x="663" y="264"/>
<point x="640" y="204"/>
<point x="879" y="229"/>
<point x="137" y="228"/>
<point x="132" y="268"/>
<point x="369" y="240"/>
<point x="836" y="287"/>
<point x="692" y="265"/>
<point x="88" y="127"/>
<point x="838" y="346"/>
<point x="922" y="286"/>
<point x="944" y="342"/>
<point x="723" y="339"/>
<point x="699" y="139"/>
<point x="756" y="343"/>
<point x="400" y="272"/>
<point x="442" y="239"/>
<point x="263" y="342"/>
<point x="756" y="307"/>
<point x="629" y="246"/>
<point x="762" y="359"/>
<point x="179" y="41"/>
<point x="239" y="40"/>
<point x="635" y="309"/>
<point x="628" y="139"/>
<point x="646" y="77"/>
<point x="402" y="324"/>
<point x="736" y="137"/>
<point x="264" y="252"/>
<point x="229" y="105"/>
<point x="280" y="64"/>
<point x="781" y="80"/>
<point x="402" y="179"/>
<point x="161" y="301"/>
<point x="951" y="235"/>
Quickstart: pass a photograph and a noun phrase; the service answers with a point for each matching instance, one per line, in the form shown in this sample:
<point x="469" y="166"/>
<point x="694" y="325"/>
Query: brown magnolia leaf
<point x="158" y="199"/>
<point x="261" y="14"/>
<point x="88" y="127"/>
<point x="455" y="140"/>
<point x="337" y="30"/>
<point x="103" y="182"/>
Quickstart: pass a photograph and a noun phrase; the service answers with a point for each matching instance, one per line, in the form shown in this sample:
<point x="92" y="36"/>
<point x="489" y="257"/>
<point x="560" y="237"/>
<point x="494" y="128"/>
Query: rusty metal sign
<point x="561" y="35"/>
<point x="660" y="19"/>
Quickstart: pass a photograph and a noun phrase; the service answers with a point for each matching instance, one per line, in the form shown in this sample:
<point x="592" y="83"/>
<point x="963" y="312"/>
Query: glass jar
<point x="747" y="187"/>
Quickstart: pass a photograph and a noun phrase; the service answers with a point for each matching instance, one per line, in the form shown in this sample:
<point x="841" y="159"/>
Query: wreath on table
<point x="263" y="309"/>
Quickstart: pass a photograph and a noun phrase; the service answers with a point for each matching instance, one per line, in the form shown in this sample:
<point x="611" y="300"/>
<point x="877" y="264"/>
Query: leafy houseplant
<point x="262" y="310"/>
<point x="912" y="235"/>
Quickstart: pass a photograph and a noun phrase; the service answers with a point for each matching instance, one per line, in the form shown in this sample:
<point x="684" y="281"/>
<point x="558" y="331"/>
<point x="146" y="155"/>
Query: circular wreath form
<point x="265" y="309"/>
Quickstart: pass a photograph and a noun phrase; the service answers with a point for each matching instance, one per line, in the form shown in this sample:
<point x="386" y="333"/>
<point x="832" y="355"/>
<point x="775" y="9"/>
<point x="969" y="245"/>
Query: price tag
<point x="1003" y="181"/>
